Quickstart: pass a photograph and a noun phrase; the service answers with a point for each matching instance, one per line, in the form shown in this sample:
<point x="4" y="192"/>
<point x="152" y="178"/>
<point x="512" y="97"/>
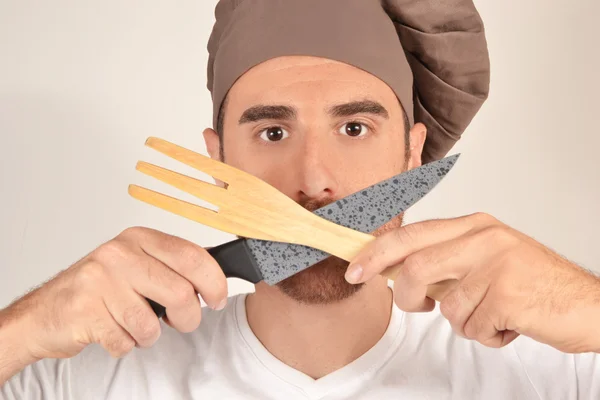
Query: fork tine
<point x="197" y="213"/>
<point x="216" y="169"/>
<point x="203" y="190"/>
<point x="187" y="210"/>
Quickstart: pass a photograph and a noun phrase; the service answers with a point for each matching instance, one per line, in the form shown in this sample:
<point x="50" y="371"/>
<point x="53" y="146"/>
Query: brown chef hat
<point x="431" y="53"/>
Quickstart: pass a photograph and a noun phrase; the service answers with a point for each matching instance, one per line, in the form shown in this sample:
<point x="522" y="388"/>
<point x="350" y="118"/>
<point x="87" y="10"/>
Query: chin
<point x="324" y="282"/>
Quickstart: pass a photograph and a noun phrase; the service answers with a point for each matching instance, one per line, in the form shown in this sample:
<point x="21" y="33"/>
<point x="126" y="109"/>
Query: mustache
<point x="315" y="204"/>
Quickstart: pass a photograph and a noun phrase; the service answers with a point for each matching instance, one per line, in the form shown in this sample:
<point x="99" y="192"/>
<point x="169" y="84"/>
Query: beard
<point x="325" y="282"/>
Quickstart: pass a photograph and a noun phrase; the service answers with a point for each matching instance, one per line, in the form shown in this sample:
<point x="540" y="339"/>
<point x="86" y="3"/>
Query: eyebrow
<point x="281" y="112"/>
<point x="358" y="107"/>
<point x="260" y="112"/>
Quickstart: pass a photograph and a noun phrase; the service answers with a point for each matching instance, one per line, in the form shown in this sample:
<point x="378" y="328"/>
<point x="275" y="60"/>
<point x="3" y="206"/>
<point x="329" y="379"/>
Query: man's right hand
<point x="101" y="298"/>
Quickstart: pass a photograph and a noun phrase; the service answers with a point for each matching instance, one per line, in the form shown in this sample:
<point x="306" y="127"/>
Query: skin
<point x="308" y="159"/>
<point x="501" y="283"/>
<point x="315" y="164"/>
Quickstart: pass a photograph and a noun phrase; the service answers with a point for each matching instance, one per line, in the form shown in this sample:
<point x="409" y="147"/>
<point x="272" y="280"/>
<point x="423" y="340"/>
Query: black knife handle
<point x="236" y="261"/>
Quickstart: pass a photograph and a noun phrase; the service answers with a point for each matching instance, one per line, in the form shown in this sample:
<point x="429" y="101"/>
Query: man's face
<point x="317" y="130"/>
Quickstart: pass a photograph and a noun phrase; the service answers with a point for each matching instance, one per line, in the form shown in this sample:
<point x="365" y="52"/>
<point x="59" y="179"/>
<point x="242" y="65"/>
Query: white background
<point x="82" y="84"/>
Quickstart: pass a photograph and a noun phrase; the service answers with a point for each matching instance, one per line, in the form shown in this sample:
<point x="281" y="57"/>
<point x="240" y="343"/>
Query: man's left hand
<point x="499" y="283"/>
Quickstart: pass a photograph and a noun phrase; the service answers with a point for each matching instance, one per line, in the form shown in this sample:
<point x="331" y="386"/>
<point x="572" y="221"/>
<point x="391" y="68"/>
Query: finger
<point x="152" y="279"/>
<point x="415" y="302"/>
<point x="189" y="260"/>
<point x="394" y="246"/>
<point x="133" y="313"/>
<point x="110" y="335"/>
<point x="444" y="264"/>
<point x="483" y="327"/>
<point x="460" y="304"/>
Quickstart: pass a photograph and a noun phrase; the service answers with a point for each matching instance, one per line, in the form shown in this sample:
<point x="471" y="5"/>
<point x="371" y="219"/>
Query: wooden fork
<point x="248" y="207"/>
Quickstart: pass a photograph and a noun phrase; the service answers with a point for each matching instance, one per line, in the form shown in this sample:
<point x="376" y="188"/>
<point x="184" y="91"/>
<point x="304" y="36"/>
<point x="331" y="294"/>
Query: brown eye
<point x="273" y="134"/>
<point x="353" y="129"/>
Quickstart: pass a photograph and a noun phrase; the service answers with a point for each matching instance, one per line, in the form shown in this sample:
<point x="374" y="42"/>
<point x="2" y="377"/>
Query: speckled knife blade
<point x="364" y="211"/>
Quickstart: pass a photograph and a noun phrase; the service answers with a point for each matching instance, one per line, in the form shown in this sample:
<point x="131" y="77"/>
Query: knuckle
<point x="117" y="343"/>
<point x="156" y="273"/>
<point x="471" y="290"/>
<point x="470" y="330"/>
<point x="122" y="347"/>
<point x="111" y="251"/>
<point x="146" y="328"/>
<point x="491" y="233"/>
<point x="407" y="302"/>
<point x="449" y="307"/>
<point x="89" y="274"/>
<point x="483" y="218"/>
<point x="190" y="252"/>
<point x="132" y="232"/>
<point x="183" y="295"/>
<point x="413" y="268"/>
<point x="408" y="233"/>
<point x="191" y="258"/>
<point x="496" y="234"/>
<point x="474" y="326"/>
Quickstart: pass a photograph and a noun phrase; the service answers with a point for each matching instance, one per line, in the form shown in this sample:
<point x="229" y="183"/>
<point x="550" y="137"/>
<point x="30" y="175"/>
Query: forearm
<point x="595" y="326"/>
<point x="14" y="355"/>
<point x="586" y="314"/>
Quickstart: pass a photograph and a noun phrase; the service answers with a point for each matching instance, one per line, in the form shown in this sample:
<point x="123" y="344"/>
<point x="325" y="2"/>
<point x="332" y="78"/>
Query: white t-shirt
<point x="419" y="357"/>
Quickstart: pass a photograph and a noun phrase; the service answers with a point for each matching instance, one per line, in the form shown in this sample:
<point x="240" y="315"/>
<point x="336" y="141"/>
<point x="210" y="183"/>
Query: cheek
<point x="374" y="160"/>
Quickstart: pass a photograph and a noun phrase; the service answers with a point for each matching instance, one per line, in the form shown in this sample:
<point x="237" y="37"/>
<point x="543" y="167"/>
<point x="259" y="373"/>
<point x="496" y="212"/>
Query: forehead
<point x="300" y="78"/>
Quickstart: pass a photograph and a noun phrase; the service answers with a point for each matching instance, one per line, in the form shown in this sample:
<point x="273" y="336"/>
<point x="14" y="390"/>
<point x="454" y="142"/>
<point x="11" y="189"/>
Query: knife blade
<point x="255" y="260"/>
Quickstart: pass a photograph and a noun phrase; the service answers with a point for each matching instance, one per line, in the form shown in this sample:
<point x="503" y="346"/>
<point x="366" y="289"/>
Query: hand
<point x="499" y="283"/>
<point x="101" y="298"/>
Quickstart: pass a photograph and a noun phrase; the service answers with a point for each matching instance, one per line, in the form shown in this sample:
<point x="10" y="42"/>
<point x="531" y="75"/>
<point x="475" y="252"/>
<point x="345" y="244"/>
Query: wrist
<point x="15" y="354"/>
<point x="595" y="333"/>
<point x="590" y="319"/>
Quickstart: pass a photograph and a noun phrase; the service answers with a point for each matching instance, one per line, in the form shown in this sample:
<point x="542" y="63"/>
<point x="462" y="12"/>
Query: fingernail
<point x="354" y="273"/>
<point x="221" y="305"/>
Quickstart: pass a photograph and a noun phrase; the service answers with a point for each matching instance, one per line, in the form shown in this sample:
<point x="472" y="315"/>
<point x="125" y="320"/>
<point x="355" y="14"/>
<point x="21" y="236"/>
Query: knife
<point x="255" y="260"/>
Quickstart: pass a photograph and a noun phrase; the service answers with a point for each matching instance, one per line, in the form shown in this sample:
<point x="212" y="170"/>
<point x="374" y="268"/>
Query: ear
<point x="417" y="136"/>
<point x="213" y="147"/>
<point x="213" y="143"/>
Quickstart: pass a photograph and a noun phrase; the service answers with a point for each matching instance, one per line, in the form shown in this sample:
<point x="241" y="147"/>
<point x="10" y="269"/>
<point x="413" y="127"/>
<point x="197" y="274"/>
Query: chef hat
<point x="431" y="53"/>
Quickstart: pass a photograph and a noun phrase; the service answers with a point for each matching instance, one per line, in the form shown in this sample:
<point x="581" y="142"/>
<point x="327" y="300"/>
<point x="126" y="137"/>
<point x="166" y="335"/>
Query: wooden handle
<point x="332" y="238"/>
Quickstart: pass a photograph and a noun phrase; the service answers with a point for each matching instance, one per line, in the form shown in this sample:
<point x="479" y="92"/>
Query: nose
<point x="316" y="178"/>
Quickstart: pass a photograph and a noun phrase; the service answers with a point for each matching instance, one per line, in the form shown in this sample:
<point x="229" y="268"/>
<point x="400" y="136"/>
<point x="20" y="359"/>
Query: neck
<point x="319" y="339"/>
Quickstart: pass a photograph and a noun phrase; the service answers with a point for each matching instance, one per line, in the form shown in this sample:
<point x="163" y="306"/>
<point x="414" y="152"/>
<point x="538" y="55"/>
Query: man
<point x="316" y="98"/>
